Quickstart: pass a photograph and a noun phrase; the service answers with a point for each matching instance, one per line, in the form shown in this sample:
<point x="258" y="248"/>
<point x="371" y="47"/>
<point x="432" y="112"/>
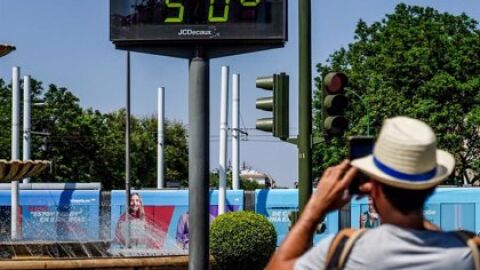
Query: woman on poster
<point x="143" y="233"/>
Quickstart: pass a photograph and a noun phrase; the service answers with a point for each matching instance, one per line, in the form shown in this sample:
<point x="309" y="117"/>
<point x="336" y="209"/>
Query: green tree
<point x="6" y="114"/>
<point x="176" y="152"/>
<point x="415" y="62"/>
<point x="5" y="119"/>
<point x="88" y="146"/>
<point x="144" y="152"/>
<point x="245" y="184"/>
<point x="107" y="163"/>
<point x="71" y="145"/>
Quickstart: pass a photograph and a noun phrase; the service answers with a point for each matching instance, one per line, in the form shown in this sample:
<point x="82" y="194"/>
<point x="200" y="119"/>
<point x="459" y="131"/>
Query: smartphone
<point x="359" y="146"/>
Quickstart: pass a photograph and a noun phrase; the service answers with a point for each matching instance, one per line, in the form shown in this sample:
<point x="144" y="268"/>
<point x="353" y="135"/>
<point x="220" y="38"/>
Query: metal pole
<point x="160" y="139"/>
<point x="236" y="131"/>
<point x="198" y="156"/>
<point x="222" y="171"/>
<point x="27" y="121"/>
<point x="15" y="112"/>
<point x="305" y="105"/>
<point x="127" y="155"/>
<point x="15" y="148"/>
<point x="365" y="105"/>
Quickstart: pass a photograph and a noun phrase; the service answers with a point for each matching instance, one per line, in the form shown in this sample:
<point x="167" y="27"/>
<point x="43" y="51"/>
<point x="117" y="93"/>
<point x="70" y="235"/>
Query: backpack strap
<point x="340" y="248"/>
<point x="473" y="242"/>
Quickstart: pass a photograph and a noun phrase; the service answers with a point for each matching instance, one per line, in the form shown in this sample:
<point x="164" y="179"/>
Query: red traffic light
<point x="335" y="82"/>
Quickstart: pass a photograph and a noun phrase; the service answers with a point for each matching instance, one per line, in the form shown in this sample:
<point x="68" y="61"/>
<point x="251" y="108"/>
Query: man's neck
<point x="412" y="220"/>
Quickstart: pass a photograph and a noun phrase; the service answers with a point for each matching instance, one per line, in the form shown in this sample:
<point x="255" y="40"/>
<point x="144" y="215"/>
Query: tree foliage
<point x="85" y="145"/>
<point x="415" y="62"/>
<point x="245" y="184"/>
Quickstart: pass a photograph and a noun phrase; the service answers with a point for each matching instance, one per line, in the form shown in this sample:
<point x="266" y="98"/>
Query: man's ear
<point x="375" y="189"/>
<point x="366" y="187"/>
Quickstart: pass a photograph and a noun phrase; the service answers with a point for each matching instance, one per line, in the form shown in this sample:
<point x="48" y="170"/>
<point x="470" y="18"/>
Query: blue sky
<point x="66" y="42"/>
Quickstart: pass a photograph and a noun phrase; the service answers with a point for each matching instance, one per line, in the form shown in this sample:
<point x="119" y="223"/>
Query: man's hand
<point x="332" y="189"/>
<point x="330" y="195"/>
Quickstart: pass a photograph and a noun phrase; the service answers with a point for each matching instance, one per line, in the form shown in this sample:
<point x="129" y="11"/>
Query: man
<point x="404" y="169"/>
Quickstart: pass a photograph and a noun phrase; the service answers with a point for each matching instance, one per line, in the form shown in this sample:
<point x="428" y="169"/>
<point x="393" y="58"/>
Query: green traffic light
<point x="277" y="104"/>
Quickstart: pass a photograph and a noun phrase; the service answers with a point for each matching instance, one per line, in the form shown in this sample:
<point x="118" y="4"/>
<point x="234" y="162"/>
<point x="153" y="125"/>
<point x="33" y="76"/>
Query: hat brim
<point x="445" y="166"/>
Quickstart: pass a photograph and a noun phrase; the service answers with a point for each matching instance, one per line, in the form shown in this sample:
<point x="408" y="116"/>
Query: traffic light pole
<point x="305" y="105"/>
<point x="198" y="157"/>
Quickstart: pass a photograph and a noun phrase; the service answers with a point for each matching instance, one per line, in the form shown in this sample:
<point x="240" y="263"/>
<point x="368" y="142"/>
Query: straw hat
<point x="405" y="156"/>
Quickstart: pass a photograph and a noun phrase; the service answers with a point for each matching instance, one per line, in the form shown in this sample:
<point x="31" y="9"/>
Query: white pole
<point x="15" y="112"/>
<point x="160" y="139"/>
<point x="15" y="148"/>
<point x="236" y="129"/>
<point x="27" y="121"/>
<point x="222" y="160"/>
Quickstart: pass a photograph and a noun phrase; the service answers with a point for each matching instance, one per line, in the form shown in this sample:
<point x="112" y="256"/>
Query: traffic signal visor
<point x="266" y="83"/>
<point x="277" y="104"/>
<point x="265" y="103"/>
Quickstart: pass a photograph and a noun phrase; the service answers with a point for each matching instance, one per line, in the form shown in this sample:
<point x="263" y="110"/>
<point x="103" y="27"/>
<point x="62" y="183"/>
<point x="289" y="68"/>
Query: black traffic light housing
<point x="334" y="104"/>
<point x="277" y="104"/>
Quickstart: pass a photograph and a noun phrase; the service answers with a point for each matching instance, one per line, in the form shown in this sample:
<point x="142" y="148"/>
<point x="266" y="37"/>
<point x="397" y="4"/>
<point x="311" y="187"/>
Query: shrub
<point x="242" y="240"/>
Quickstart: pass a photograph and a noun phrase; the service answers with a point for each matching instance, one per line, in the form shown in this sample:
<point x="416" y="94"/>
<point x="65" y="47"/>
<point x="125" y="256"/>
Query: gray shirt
<point x="390" y="247"/>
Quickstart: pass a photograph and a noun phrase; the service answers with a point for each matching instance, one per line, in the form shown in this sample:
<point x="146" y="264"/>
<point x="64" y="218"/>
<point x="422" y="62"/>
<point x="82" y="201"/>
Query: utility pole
<point x="160" y="138"/>
<point x="198" y="166"/>
<point x="27" y="121"/>
<point x="235" y="131"/>
<point x="305" y="104"/>
<point x="15" y="148"/>
<point x="222" y="160"/>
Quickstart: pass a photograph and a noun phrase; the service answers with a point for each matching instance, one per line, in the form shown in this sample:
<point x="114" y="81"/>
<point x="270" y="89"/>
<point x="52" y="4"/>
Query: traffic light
<point x="277" y="104"/>
<point x="334" y="104"/>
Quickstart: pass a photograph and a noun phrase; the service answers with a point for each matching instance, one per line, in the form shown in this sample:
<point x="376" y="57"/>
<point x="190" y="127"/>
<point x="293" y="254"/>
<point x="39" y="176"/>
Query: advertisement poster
<point x="164" y="223"/>
<point x="61" y="215"/>
<point x="53" y="215"/>
<point x="276" y="204"/>
<point x="448" y="208"/>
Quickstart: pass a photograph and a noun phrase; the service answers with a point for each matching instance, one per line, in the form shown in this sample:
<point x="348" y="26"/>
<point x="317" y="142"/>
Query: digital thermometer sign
<point x="166" y="22"/>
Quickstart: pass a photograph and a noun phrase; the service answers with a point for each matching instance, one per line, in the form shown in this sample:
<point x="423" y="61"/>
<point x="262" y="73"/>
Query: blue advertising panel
<point x="448" y="208"/>
<point x="165" y="217"/>
<point x="54" y="215"/>
<point x="459" y="208"/>
<point x="275" y="204"/>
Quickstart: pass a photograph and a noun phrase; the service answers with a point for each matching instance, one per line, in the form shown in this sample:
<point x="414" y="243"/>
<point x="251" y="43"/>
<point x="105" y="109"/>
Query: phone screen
<point x="360" y="146"/>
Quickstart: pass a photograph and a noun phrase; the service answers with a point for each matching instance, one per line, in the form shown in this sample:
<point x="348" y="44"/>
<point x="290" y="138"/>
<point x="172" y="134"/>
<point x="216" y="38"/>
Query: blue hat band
<point x="404" y="176"/>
